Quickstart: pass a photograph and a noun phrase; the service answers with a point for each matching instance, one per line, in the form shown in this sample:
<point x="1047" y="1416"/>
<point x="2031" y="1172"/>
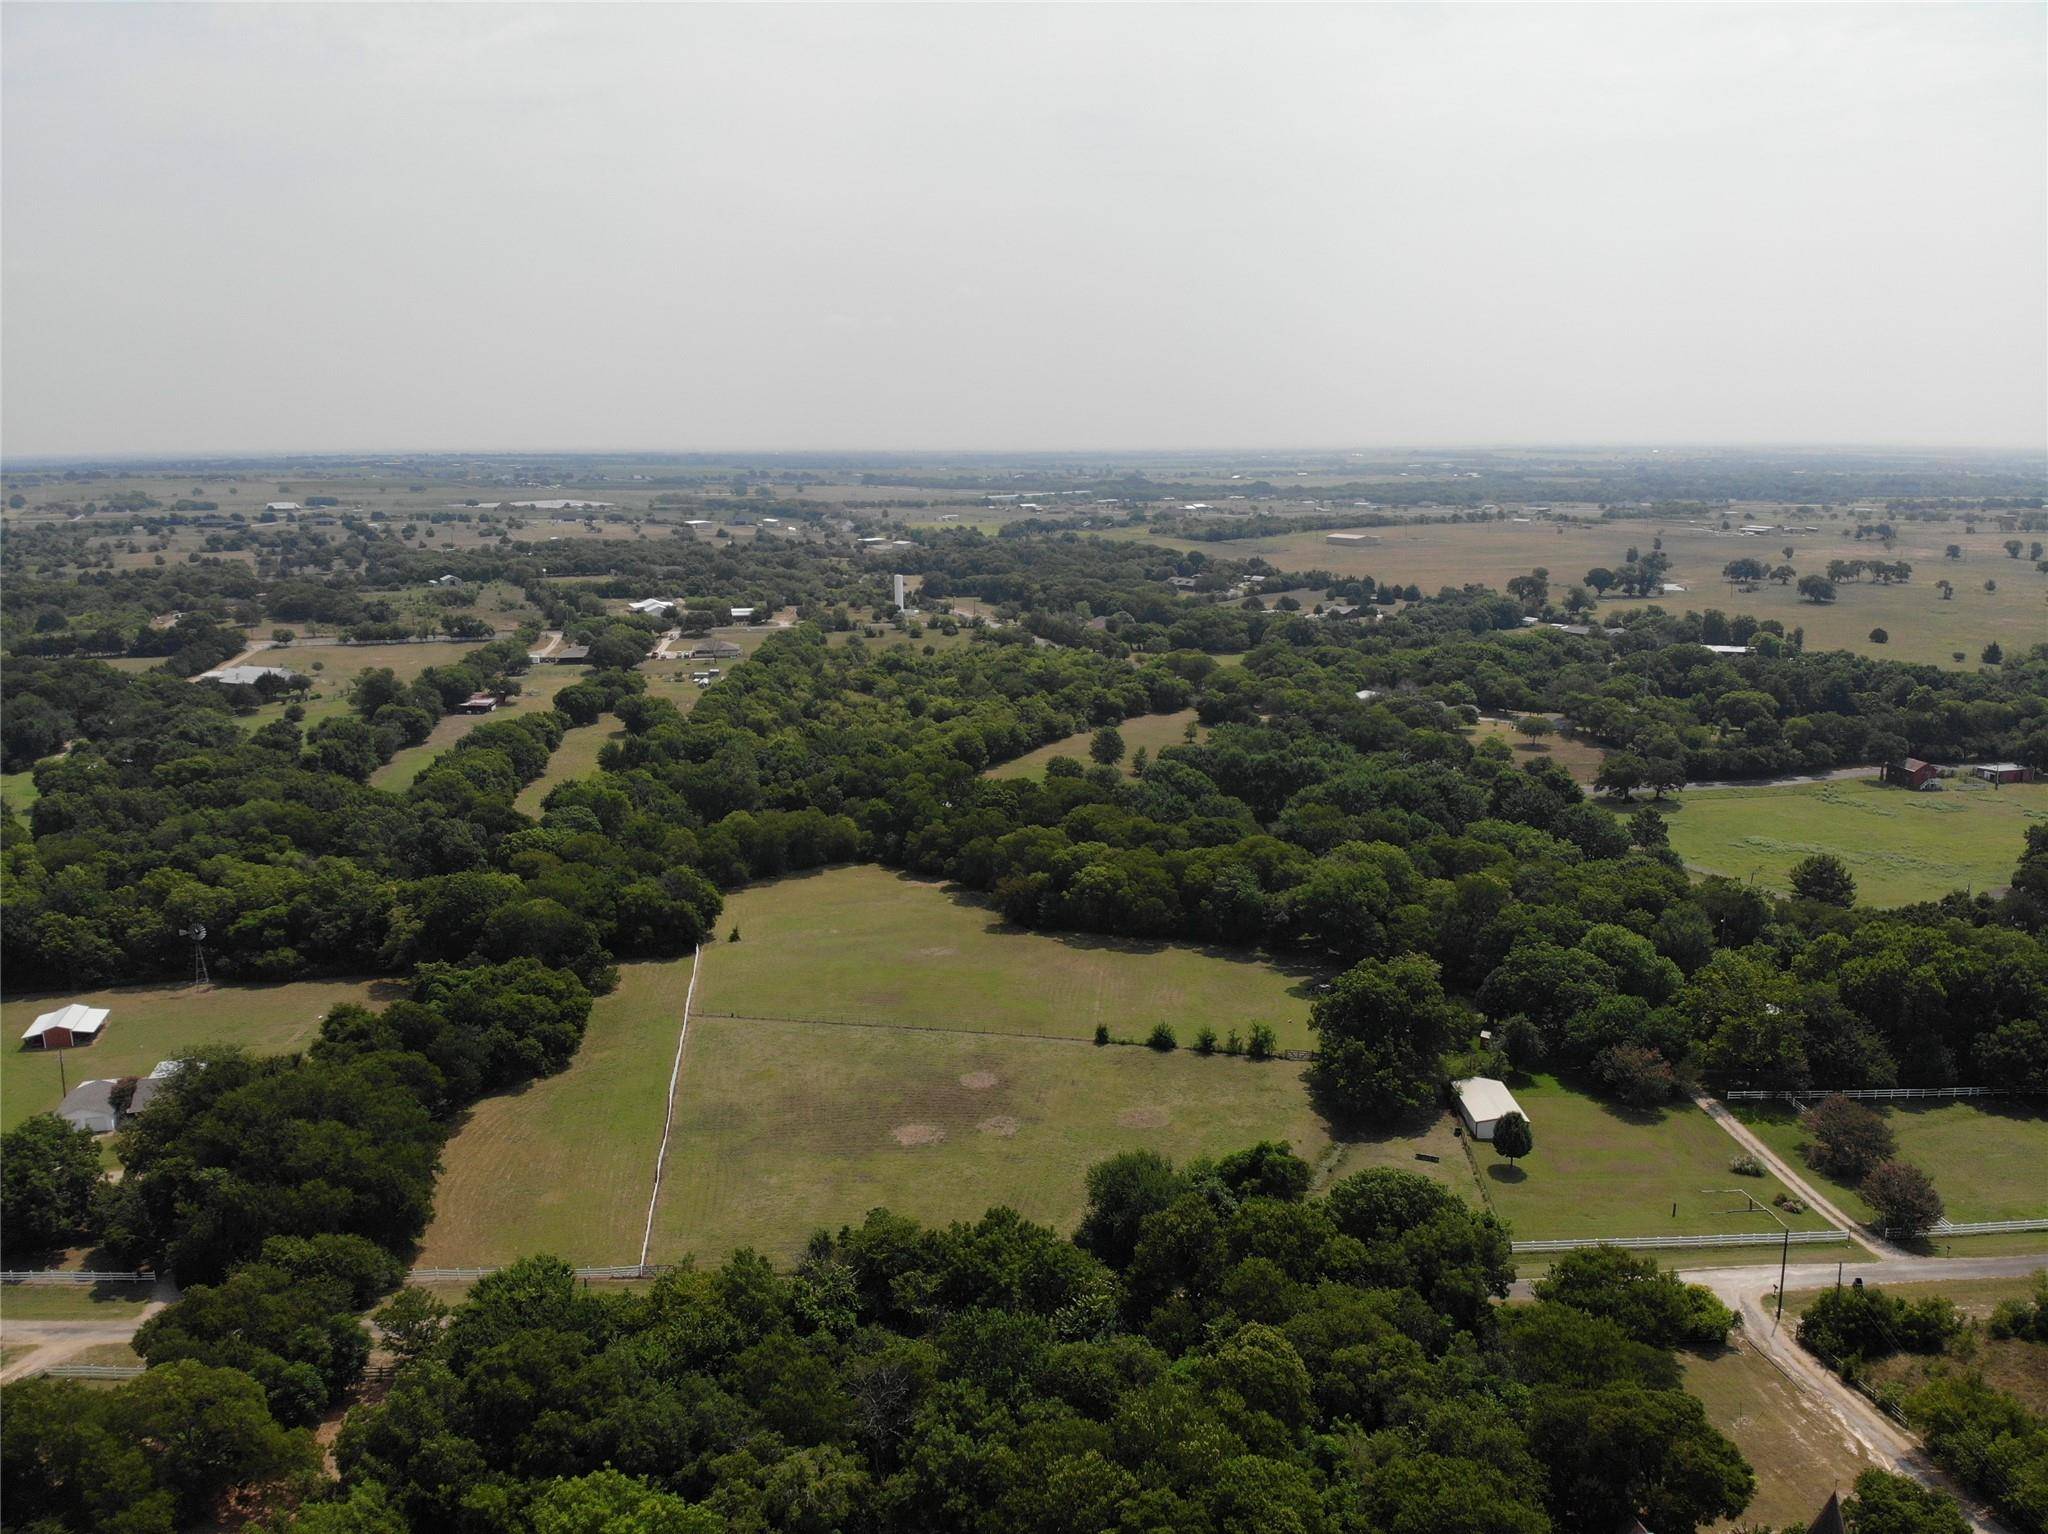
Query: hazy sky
<point x="309" y="227"/>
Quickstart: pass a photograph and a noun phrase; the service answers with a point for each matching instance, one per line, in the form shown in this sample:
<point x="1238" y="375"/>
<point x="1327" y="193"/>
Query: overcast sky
<point x="301" y="227"/>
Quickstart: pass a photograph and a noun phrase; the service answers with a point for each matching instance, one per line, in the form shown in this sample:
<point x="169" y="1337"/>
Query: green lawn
<point x="69" y="1302"/>
<point x="405" y="765"/>
<point x="575" y="757"/>
<point x="18" y="791"/>
<point x="1989" y="1159"/>
<point x="1152" y="731"/>
<point x="865" y="945"/>
<point x="1900" y="846"/>
<point x="1800" y="1450"/>
<point x="565" y="1165"/>
<point x="149" y="1023"/>
<point x="1600" y="1169"/>
<point x="784" y="1128"/>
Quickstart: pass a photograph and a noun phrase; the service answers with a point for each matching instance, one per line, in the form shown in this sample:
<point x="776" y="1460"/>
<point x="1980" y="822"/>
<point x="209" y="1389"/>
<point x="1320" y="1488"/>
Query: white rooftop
<point x="245" y="676"/>
<point x="77" y="1018"/>
<point x="1485" y="1098"/>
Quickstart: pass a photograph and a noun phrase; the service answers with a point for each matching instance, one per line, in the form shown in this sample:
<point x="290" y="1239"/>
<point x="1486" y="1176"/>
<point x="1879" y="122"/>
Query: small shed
<point x="478" y="703"/>
<point x="2004" y="772"/>
<point x="1482" y="1103"/>
<point x="1914" y="773"/>
<point x="90" y="1105"/>
<point x="66" y="1028"/>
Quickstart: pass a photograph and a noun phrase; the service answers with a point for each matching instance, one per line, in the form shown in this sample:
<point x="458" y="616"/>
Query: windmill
<point x="198" y="935"/>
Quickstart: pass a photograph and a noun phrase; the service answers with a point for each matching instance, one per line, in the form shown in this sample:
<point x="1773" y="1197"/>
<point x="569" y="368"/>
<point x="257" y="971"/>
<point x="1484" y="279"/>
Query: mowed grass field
<point x="1988" y="1157"/>
<point x="575" y="757"/>
<point x="148" y="1023"/>
<point x="1800" y="1450"/>
<point x="1922" y="627"/>
<point x="866" y="945"/>
<point x="1152" y="732"/>
<point x="784" y="1128"/>
<point x="1901" y="846"/>
<point x="1580" y="758"/>
<point x="1600" y="1169"/>
<point x="566" y="1165"/>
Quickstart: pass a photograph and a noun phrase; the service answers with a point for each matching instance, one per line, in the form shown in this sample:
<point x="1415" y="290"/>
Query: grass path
<point x="575" y="757"/>
<point x="1154" y="732"/>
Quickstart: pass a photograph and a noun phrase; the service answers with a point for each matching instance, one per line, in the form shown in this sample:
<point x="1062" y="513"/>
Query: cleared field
<point x="1600" y="1169"/>
<point x="1801" y="1451"/>
<point x="1988" y="1158"/>
<point x="575" y="757"/>
<point x="18" y="791"/>
<point x="1901" y="846"/>
<point x="1922" y="627"/>
<point x="866" y="945"/>
<point x="784" y="1128"/>
<point x="565" y="1165"/>
<point x="1579" y="758"/>
<point x="1153" y="732"/>
<point x="153" y="1022"/>
<point x="405" y="765"/>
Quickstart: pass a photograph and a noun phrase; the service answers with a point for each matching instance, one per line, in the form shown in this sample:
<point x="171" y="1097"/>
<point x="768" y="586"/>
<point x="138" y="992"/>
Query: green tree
<point x="1512" y="1137"/>
<point x="1887" y="1503"/>
<point x="606" y="1502"/>
<point x="49" y="1173"/>
<point x="1382" y="1029"/>
<point x="1904" y="1197"/>
<point x="1846" y="1139"/>
<point x="410" y="1322"/>
<point x="1106" y="745"/>
<point x="1825" y="878"/>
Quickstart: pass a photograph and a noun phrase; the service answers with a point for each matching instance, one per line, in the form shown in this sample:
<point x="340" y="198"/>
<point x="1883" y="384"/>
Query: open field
<point x="1580" y="758"/>
<point x="409" y="762"/>
<point x="1153" y="732"/>
<point x="66" y="1302"/>
<point x="1801" y="1451"/>
<point x="333" y="669"/>
<point x="565" y="1165"/>
<point x="1901" y="846"/>
<point x="863" y="944"/>
<point x="1921" y="625"/>
<point x="1974" y="1297"/>
<point x="18" y="791"/>
<point x="153" y="1022"/>
<point x="575" y="757"/>
<point x="1600" y="1169"/>
<point x="1989" y="1159"/>
<point x="783" y="1128"/>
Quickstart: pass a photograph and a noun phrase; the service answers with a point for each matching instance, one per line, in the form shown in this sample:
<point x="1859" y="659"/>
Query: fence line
<point x="90" y="1371"/>
<point x="471" y="1275"/>
<point x="1646" y="1243"/>
<point x="993" y="1033"/>
<point x="1881" y="1094"/>
<point x="1969" y="1228"/>
<point x="62" y="1276"/>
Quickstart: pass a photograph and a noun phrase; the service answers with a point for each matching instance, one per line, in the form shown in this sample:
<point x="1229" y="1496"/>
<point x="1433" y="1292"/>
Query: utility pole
<point x="1784" y="1259"/>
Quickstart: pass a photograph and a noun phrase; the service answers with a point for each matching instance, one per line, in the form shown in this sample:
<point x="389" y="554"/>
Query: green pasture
<point x="1152" y="732"/>
<point x="1987" y="1156"/>
<point x="148" y="1023"/>
<point x="785" y="1128"/>
<point x="1601" y="1169"/>
<point x="1901" y="846"/>
<point x="566" y="1164"/>
<point x="862" y="944"/>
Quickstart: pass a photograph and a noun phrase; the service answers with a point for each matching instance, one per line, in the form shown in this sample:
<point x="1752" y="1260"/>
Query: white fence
<point x="60" y="1276"/>
<point x="1651" y="1243"/>
<point x="471" y="1275"/>
<point x="1879" y="1094"/>
<point x="1974" y="1228"/>
<point x="91" y="1371"/>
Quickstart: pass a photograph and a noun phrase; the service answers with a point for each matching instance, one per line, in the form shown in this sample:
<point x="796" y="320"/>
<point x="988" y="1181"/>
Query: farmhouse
<point x="716" y="649"/>
<point x="1482" y="1103"/>
<point x="650" y="605"/>
<point x="477" y="703"/>
<point x="66" y="1028"/>
<point x="565" y="655"/>
<point x="246" y="676"/>
<point x="90" y="1106"/>
<point x="2004" y="772"/>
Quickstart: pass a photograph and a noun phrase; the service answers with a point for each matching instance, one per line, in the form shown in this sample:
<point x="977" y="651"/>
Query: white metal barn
<point x="1482" y="1103"/>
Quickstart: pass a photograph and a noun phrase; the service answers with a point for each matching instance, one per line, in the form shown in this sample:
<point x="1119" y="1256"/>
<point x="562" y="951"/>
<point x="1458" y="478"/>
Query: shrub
<point x="1205" y="1040"/>
<point x="1635" y="1074"/>
<point x="1102" y="1033"/>
<point x="1746" y="1165"/>
<point x="1263" y="1042"/>
<point x="1864" y="1323"/>
<point x="1232" y="1044"/>
<point x="1161" y="1037"/>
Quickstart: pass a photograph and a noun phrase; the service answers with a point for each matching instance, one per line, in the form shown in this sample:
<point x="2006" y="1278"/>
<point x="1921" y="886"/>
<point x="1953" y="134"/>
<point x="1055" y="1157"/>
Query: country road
<point x="53" y="1342"/>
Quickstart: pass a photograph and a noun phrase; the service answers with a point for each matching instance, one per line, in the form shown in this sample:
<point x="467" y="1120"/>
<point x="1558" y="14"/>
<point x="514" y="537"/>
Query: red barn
<point x="1914" y="773"/>
<point x="66" y="1028"/>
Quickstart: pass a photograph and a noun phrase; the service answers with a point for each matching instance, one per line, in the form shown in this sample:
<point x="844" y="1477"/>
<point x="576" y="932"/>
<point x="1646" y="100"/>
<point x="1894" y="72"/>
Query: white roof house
<point x="74" y="1024"/>
<point x="741" y="612"/>
<point x="90" y="1106"/>
<point x="650" y="605"/>
<point x="1482" y="1103"/>
<point x="282" y="506"/>
<point x="246" y="676"/>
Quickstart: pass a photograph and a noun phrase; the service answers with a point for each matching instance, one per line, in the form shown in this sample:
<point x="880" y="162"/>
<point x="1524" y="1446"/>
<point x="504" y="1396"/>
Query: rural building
<point x="1727" y="649"/>
<point x="2004" y="772"/>
<point x="446" y="580"/>
<point x="898" y="592"/>
<point x="741" y="614"/>
<point x="1353" y="538"/>
<point x="147" y="1088"/>
<point x="1482" y="1103"/>
<point x="90" y="1105"/>
<point x="477" y="703"/>
<point x="1912" y="773"/>
<point x="1366" y="694"/>
<point x="66" y="1028"/>
<point x="247" y="676"/>
<point x="1182" y="582"/>
<point x="282" y="506"/>
<point x="650" y="605"/>
<point x="1672" y="589"/>
<point x="566" y="655"/>
<point x="716" y="649"/>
